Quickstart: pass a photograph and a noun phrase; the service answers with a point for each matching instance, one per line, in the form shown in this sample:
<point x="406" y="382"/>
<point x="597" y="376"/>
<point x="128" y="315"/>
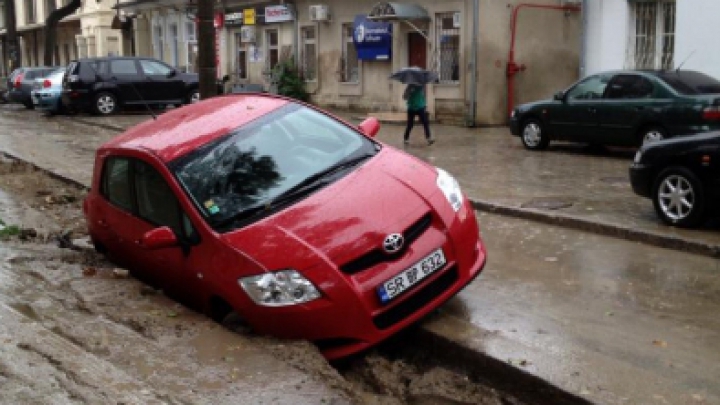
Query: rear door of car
<point x="124" y="75"/>
<point x="162" y="82"/>
<point x="629" y="101"/>
<point x="576" y="117"/>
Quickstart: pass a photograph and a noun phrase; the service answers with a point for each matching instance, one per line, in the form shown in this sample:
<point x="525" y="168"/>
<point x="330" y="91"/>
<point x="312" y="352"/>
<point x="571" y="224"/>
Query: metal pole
<point x="473" y="63"/>
<point x="206" y="49"/>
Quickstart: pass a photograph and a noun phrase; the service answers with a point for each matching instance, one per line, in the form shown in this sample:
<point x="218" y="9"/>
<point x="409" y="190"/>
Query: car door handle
<point x="639" y="108"/>
<point x="592" y="110"/>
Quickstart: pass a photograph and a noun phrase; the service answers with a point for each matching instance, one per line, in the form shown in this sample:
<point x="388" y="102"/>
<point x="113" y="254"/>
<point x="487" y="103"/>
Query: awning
<point x="391" y="11"/>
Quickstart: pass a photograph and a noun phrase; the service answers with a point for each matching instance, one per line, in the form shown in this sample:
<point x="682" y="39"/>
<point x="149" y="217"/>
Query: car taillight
<point x="46" y="83"/>
<point x="18" y="80"/>
<point x="711" y="113"/>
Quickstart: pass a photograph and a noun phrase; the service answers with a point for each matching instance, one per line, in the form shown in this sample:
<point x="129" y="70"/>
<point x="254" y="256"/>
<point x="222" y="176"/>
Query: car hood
<point x="533" y="105"/>
<point x="189" y="77"/>
<point x="679" y="144"/>
<point x="346" y="219"/>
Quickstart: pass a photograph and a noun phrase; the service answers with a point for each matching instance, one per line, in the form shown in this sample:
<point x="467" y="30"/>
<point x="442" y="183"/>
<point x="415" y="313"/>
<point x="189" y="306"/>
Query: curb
<point x="109" y="127"/>
<point x="600" y="228"/>
<point x="49" y="172"/>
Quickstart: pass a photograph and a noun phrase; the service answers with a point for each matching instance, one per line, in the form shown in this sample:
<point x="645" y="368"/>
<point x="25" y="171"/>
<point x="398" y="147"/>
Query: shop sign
<point x="275" y="14"/>
<point x="234" y="19"/>
<point x="249" y="16"/>
<point x="373" y="40"/>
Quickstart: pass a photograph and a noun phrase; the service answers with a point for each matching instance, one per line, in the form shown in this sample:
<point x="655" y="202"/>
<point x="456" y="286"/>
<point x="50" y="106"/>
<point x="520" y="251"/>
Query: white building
<point x="651" y="34"/>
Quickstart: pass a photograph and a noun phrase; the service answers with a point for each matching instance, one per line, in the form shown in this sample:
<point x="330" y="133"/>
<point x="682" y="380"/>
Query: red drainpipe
<point x="512" y="67"/>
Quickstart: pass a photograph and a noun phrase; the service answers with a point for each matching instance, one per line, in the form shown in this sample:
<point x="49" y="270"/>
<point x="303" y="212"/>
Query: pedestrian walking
<point x="416" y="107"/>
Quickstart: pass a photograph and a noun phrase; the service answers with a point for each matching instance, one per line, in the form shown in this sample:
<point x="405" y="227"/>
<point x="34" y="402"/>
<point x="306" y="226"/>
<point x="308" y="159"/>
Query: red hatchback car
<point x="298" y="221"/>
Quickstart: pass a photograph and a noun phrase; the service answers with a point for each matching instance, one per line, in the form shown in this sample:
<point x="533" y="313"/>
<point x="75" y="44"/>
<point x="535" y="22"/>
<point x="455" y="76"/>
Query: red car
<point x="298" y="221"/>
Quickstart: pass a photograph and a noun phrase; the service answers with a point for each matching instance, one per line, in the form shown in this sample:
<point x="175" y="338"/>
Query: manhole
<point x="548" y="203"/>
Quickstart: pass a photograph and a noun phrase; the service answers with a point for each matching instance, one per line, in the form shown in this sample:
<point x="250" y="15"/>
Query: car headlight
<point x="638" y="157"/>
<point x="279" y="289"/>
<point x="450" y="187"/>
<point x="513" y="113"/>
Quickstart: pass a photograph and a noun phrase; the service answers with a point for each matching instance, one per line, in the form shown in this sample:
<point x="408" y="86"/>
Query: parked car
<point x="20" y="83"/>
<point x="624" y="108"/>
<point x="301" y="223"/>
<point x="105" y="85"/>
<point x="47" y="91"/>
<point x="681" y="176"/>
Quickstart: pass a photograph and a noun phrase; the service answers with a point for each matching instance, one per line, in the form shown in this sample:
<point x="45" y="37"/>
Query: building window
<point x="350" y="64"/>
<point x="308" y="62"/>
<point x="158" y="42"/>
<point x="2" y="15"/>
<point x="271" y="49"/>
<point x="447" y="40"/>
<point x="30" y="12"/>
<point x="652" y="36"/>
<point x="191" y="46"/>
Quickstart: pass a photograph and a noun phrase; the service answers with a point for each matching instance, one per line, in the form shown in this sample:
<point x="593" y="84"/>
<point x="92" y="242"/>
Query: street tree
<point x="51" y="23"/>
<point x="13" y="45"/>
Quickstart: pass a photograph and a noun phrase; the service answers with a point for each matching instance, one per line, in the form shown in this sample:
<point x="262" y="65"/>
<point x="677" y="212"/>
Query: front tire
<point x="533" y="135"/>
<point x="679" y="197"/>
<point x="105" y="104"/>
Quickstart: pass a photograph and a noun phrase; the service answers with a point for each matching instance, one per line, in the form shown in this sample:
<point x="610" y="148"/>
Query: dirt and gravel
<point x="75" y="329"/>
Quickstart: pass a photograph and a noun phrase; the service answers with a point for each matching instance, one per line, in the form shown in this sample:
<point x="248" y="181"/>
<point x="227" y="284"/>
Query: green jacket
<point x="416" y="99"/>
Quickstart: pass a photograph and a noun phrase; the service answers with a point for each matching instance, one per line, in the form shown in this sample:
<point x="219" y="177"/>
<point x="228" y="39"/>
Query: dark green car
<point x="624" y="108"/>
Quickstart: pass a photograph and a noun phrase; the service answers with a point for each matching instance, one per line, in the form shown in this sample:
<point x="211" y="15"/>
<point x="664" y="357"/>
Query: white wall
<point x="696" y="30"/>
<point x="606" y="34"/>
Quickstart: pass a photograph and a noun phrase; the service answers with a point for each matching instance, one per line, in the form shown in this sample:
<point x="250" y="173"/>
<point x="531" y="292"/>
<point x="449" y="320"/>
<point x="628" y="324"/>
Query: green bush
<point x="290" y="81"/>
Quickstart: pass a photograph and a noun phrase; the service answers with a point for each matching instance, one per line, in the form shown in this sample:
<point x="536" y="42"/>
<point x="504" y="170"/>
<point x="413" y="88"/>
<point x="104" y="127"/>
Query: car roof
<point x="184" y="129"/>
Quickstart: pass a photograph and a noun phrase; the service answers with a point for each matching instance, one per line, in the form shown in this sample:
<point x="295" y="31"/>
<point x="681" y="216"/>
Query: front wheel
<point x="533" y="135"/>
<point x="106" y="104"/>
<point x="679" y="197"/>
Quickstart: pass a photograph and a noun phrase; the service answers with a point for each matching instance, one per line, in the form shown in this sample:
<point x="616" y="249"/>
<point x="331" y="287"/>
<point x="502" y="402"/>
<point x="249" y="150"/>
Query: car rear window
<point x="691" y="83"/>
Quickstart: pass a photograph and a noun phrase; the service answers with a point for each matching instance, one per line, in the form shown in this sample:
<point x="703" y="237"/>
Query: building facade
<point x="85" y="33"/>
<point x="466" y="42"/>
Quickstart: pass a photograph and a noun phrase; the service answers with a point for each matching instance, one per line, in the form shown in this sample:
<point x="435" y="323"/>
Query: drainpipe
<point x="512" y="67"/>
<point x="583" y="38"/>
<point x="473" y="63"/>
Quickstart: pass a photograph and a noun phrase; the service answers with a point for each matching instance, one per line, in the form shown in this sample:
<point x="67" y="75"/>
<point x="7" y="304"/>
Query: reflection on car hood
<point x="383" y="196"/>
<point x="679" y="144"/>
<point x="534" y="104"/>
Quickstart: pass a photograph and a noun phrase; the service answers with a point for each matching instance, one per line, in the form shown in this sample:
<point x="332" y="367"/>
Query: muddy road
<point x="74" y="329"/>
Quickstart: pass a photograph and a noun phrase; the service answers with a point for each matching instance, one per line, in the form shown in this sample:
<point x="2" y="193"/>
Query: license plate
<point x="411" y="276"/>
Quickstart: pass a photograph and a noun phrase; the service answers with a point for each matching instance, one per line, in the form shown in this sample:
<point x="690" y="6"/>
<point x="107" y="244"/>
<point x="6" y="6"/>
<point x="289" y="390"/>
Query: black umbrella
<point x="414" y="75"/>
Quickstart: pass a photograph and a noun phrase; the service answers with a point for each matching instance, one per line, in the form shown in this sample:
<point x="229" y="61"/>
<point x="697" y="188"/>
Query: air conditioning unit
<point x="319" y="12"/>
<point x="247" y="33"/>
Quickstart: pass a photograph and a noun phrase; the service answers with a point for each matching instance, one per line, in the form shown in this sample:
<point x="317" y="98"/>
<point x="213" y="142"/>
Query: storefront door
<point x="417" y="50"/>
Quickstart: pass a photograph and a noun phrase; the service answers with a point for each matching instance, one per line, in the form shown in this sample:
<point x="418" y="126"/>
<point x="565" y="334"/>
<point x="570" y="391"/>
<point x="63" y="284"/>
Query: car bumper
<point x="514" y="126"/>
<point x="351" y="319"/>
<point x="49" y="101"/>
<point x="18" y="97"/>
<point x="641" y="179"/>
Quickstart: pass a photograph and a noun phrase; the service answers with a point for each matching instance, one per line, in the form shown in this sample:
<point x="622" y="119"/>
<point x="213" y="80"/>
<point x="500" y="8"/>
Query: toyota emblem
<point x="393" y="243"/>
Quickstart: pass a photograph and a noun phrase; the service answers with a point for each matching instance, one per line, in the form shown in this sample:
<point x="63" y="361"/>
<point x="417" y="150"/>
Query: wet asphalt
<point x="609" y="319"/>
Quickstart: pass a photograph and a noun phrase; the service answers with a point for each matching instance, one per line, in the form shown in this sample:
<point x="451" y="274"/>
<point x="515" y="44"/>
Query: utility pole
<point x="13" y="45"/>
<point x="206" y="49"/>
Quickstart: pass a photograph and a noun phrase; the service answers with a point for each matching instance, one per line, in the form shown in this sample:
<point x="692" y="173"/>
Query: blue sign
<point x="373" y="40"/>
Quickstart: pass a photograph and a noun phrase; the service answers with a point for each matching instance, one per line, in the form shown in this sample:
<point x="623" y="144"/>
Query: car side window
<point x="629" y="87"/>
<point x="157" y="202"/>
<point x="116" y="182"/>
<point x="589" y="89"/>
<point x="154" y="68"/>
<point x="123" y="67"/>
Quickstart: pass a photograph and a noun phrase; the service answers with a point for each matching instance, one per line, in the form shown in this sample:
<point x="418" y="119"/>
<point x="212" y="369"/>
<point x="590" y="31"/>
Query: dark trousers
<point x="411" y="114"/>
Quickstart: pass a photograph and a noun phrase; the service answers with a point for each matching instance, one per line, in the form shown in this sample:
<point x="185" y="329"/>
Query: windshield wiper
<point x="242" y="215"/>
<point x="319" y="179"/>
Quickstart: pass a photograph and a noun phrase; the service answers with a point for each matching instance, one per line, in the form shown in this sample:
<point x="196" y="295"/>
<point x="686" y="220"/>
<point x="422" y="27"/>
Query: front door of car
<point x="174" y="269"/>
<point x="575" y="118"/>
<point x="629" y="98"/>
<point x="161" y="81"/>
<point x="124" y="75"/>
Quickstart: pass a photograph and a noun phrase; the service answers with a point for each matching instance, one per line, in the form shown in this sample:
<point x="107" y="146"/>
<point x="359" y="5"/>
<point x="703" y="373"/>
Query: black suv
<point x="103" y="85"/>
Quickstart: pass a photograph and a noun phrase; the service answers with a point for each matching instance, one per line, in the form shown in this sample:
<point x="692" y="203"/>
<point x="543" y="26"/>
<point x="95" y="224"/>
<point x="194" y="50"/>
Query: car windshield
<point x="691" y="83"/>
<point x="268" y="164"/>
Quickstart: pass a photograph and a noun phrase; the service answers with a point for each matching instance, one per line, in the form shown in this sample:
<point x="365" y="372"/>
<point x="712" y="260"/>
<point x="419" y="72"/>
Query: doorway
<point x="417" y="50"/>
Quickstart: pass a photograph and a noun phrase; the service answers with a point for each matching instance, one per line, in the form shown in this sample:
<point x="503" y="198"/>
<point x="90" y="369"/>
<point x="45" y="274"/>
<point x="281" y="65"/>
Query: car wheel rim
<point x="531" y="134"/>
<point x="654" y="135"/>
<point x="106" y="104"/>
<point x="195" y="97"/>
<point x="676" y="197"/>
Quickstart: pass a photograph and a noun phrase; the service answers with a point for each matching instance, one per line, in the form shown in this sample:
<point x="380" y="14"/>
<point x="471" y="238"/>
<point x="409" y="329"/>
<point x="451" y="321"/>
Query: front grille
<point x="418" y="300"/>
<point x="376" y="256"/>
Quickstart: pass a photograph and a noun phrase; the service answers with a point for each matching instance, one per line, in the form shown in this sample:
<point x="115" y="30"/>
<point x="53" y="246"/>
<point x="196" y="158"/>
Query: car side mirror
<point x="159" y="238"/>
<point x="370" y="127"/>
<point x="560" y="96"/>
<point x="172" y="73"/>
<point x="225" y="78"/>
